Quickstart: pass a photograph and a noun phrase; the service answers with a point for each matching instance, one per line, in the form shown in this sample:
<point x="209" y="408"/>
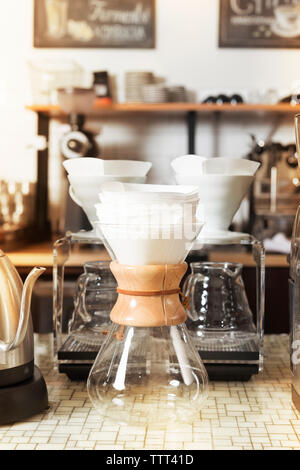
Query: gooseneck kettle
<point x="21" y="383"/>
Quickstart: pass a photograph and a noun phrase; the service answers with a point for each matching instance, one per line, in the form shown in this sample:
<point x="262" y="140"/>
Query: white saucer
<point x="285" y="33"/>
<point x="218" y="238"/>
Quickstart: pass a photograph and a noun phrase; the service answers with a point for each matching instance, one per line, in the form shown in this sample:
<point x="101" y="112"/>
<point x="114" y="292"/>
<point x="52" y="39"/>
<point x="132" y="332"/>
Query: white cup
<point x="287" y="17"/>
<point x="96" y="166"/>
<point x="220" y="197"/>
<point x="84" y="191"/>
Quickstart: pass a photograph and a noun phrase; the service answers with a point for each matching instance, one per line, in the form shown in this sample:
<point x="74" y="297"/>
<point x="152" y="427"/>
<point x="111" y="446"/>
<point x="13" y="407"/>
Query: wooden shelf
<point x="174" y="107"/>
<point x="272" y="260"/>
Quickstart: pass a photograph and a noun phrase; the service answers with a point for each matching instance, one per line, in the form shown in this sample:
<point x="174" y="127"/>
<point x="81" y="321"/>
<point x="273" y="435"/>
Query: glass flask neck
<point x="99" y="272"/>
<point x="96" y="267"/>
<point x="232" y="270"/>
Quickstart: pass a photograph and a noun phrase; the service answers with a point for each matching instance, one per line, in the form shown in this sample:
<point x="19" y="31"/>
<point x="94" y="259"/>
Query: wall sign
<point x="259" y="23"/>
<point x="94" y="23"/>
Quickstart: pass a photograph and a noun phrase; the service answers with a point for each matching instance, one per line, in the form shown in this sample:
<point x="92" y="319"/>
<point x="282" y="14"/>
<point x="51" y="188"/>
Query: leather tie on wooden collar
<point x="158" y="293"/>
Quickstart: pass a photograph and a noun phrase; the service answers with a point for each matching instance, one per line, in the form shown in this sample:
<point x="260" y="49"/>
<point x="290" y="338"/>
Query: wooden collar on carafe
<point x="148" y="295"/>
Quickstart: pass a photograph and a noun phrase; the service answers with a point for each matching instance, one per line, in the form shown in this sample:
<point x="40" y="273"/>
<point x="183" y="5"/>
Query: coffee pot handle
<point x="189" y="292"/>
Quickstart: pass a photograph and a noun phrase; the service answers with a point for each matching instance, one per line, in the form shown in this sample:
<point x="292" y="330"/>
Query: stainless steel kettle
<point x="16" y="331"/>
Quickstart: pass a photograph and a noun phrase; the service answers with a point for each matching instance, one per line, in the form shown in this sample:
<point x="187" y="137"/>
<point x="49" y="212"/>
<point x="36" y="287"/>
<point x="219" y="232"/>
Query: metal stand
<point x="75" y="358"/>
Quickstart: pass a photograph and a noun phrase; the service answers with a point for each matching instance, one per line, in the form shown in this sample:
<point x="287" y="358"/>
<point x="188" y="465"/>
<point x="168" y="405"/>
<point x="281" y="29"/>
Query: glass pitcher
<point x="219" y="312"/>
<point x="94" y="298"/>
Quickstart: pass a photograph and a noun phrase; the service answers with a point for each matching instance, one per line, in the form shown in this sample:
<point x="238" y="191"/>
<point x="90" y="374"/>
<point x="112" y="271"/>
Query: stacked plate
<point x="177" y="94"/>
<point x="155" y="93"/>
<point x="134" y="83"/>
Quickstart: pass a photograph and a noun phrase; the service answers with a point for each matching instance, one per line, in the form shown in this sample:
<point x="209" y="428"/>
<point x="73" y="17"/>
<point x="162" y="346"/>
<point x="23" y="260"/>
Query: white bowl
<point x="84" y="191"/>
<point x="188" y="164"/>
<point x="220" y="197"/>
<point x="84" y="166"/>
<point x="191" y="165"/>
<point x="97" y="166"/>
<point x="230" y="166"/>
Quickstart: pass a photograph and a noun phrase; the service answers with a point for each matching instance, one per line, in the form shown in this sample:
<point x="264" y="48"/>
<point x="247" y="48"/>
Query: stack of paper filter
<point x="222" y="185"/>
<point x="86" y="176"/>
<point x="148" y="224"/>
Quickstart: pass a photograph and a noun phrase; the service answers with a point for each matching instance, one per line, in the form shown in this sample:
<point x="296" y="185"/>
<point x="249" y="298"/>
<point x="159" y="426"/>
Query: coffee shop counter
<point x="257" y="414"/>
<point x="42" y="255"/>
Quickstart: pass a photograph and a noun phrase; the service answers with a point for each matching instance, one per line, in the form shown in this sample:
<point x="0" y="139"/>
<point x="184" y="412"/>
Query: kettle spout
<point x="25" y="305"/>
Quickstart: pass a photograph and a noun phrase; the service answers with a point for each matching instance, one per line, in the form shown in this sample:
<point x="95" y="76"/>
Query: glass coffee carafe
<point x="94" y="298"/>
<point x="219" y="312"/>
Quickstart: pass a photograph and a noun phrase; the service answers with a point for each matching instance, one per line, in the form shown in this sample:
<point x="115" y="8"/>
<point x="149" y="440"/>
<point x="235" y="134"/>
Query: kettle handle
<point x="189" y="292"/>
<point x="24" y="311"/>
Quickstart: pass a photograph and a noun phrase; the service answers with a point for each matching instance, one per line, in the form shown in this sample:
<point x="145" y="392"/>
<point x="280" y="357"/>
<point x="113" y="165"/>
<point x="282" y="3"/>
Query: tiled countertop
<point x="255" y="415"/>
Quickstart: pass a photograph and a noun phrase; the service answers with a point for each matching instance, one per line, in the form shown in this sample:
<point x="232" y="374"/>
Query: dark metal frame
<point x="42" y="224"/>
<point x="226" y="41"/>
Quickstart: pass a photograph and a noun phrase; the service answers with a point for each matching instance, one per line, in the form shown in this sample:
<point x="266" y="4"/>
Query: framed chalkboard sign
<point x="259" y="23"/>
<point x="94" y="23"/>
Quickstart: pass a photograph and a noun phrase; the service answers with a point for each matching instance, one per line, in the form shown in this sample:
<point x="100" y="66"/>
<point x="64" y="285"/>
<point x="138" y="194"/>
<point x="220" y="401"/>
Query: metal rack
<point x="227" y="363"/>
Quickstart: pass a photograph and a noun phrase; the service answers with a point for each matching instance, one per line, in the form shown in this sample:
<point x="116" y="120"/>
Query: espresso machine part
<point x="77" y="103"/>
<point x="294" y="306"/>
<point x="23" y="392"/>
<point x="276" y="191"/>
<point x="294" y="291"/>
<point x="77" y="143"/>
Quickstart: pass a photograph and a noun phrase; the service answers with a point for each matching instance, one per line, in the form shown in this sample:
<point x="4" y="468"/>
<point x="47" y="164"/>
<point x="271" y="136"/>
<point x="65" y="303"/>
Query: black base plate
<point x="20" y="402"/>
<point x="231" y="372"/>
<point x="216" y="372"/>
<point x="16" y="375"/>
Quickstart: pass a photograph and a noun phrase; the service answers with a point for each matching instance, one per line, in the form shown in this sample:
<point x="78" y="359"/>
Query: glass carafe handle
<point x="79" y="311"/>
<point x="189" y="292"/>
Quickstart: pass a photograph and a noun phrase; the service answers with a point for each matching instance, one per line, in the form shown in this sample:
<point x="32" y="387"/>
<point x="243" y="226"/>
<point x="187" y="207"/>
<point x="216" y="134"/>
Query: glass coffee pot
<point x="95" y="296"/>
<point x="148" y="371"/>
<point x="219" y="312"/>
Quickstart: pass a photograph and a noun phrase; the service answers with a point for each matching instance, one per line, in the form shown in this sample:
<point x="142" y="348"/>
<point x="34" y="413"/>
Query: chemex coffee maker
<point x="23" y="391"/>
<point x="220" y="321"/>
<point x="147" y="369"/>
